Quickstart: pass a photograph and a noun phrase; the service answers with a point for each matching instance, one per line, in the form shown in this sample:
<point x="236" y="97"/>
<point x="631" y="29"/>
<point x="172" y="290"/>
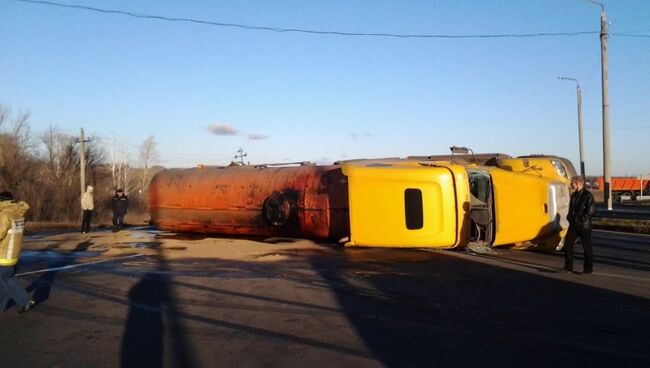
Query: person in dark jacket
<point x="581" y="209"/>
<point x="120" y="207"/>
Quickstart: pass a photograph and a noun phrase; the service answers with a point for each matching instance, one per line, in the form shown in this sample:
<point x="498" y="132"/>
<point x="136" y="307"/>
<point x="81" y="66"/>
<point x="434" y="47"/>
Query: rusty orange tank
<point x="305" y="201"/>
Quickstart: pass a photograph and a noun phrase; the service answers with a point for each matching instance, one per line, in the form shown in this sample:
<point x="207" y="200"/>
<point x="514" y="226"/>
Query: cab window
<point x="413" y="208"/>
<point x="479" y="186"/>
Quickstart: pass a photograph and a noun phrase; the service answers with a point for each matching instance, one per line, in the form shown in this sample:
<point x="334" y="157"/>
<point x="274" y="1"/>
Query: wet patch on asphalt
<point x="145" y="245"/>
<point x="50" y="255"/>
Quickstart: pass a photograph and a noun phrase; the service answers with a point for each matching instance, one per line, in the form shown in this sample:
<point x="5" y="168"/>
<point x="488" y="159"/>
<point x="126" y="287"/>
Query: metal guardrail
<point x="624" y="214"/>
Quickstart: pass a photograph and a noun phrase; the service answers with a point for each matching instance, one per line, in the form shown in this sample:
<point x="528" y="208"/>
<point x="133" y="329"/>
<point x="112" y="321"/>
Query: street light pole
<point x="606" y="156"/>
<point x="579" y="99"/>
<point x="607" y="177"/>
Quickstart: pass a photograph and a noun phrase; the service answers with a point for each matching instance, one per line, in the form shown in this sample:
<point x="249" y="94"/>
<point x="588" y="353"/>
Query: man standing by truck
<point x="581" y="209"/>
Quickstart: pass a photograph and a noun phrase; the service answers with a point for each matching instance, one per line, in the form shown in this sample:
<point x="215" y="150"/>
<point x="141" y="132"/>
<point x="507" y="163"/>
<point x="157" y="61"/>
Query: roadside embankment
<point x="623" y="225"/>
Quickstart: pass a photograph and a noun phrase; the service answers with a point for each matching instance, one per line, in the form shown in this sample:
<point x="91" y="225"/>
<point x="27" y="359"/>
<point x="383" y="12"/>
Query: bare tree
<point x="122" y="172"/>
<point x="128" y="178"/>
<point x="148" y="158"/>
<point x="95" y="158"/>
<point x="22" y="131"/>
<point x="45" y="175"/>
<point x="4" y="115"/>
<point x="60" y="176"/>
<point x="16" y="151"/>
<point x="61" y="156"/>
<point x="117" y="162"/>
<point x="19" y="129"/>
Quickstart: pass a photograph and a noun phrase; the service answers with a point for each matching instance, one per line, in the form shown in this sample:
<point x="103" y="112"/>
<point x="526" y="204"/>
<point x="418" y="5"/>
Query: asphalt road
<point x="334" y="307"/>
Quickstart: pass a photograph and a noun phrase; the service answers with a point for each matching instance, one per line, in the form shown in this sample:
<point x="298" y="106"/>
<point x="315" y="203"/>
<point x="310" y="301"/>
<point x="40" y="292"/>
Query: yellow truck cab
<point x="402" y="203"/>
<point x="438" y="204"/>
<point x="556" y="168"/>
<point x="529" y="211"/>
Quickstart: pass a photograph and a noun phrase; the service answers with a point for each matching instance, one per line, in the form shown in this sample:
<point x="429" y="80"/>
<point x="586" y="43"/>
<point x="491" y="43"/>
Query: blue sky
<point x="204" y="91"/>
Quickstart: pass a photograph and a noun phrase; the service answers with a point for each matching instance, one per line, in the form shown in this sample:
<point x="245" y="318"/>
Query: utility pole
<point x="607" y="177"/>
<point x="241" y="155"/>
<point x="579" y="97"/>
<point x="82" y="161"/>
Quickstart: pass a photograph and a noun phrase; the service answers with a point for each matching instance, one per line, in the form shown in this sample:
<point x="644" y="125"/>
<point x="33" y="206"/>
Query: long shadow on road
<point x="143" y="340"/>
<point x="409" y="308"/>
<point x="42" y="286"/>
<point x="422" y="309"/>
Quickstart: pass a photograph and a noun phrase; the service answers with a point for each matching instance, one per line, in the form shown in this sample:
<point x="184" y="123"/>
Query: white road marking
<point x="77" y="265"/>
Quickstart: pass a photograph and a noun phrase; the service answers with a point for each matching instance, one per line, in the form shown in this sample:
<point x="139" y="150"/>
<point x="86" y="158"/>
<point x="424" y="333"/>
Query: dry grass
<point x="105" y="221"/>
<point x="623" y="225"/>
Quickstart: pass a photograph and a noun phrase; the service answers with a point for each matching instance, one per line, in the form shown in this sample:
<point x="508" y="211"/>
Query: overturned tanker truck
<point x="303" y="201"/>
<point x="412" y="202"/>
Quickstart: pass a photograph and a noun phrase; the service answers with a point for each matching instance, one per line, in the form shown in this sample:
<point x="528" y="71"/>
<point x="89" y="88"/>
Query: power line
<point x="127" y="147"/>
<point x="164" y="155"/>
<point x="298" y="30"/>
<point x="628" y="35"/>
